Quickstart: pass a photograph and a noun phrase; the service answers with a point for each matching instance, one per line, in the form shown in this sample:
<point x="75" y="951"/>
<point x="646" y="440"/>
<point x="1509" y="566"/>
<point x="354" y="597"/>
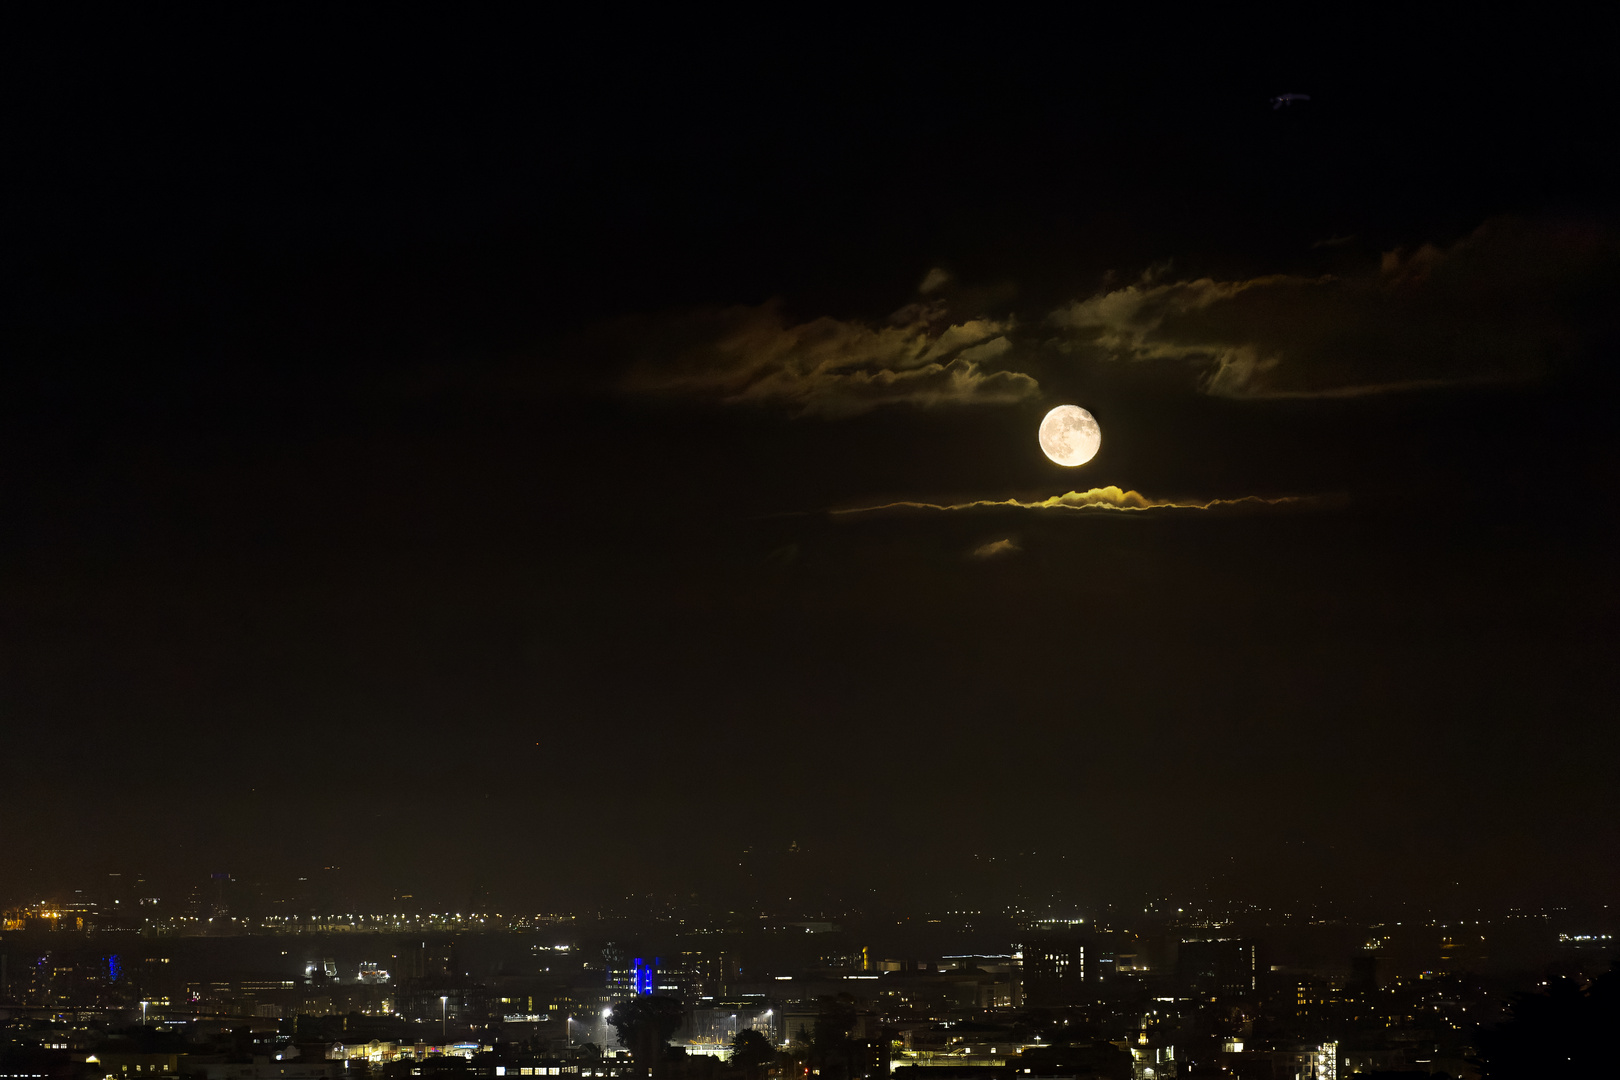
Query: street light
<point x="444" y="1002"/>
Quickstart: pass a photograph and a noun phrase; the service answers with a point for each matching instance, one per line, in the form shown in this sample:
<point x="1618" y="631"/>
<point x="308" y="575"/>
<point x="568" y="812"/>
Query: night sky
<point x="547" y="460"/>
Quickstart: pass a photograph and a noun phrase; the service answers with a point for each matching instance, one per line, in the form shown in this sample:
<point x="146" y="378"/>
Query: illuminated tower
<point x="1327" y="1061"/>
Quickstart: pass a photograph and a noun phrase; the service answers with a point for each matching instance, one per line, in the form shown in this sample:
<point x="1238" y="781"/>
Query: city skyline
<point x="1156" y="993"/>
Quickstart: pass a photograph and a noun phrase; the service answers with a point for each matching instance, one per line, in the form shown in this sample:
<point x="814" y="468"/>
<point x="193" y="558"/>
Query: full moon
<point x="1070" y="435"/>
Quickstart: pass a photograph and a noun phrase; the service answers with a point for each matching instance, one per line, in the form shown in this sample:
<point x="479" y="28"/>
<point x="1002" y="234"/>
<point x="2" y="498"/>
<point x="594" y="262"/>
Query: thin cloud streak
<point x="1409" y="386"/>
<point x="1100" y="499"/>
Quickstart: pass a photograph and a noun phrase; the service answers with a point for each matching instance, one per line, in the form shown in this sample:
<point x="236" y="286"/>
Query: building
<point x="1057" y="969"/>
<point x="1228" y="967"/>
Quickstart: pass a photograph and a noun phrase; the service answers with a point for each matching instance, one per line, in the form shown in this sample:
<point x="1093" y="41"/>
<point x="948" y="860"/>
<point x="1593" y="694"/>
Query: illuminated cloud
<point x="829" y="367"/>
<point x="1501" y="304"/>
<point x="1095" y="499"/>
<point x="994" y="548"/>
<point x="1508" y="302"/>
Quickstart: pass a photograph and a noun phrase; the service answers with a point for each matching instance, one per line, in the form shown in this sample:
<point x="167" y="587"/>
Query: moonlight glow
<point x="1070" y="436"/>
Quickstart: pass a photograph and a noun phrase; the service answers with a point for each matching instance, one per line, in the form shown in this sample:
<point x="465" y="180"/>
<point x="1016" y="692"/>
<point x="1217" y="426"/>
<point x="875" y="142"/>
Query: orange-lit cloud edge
<point x="1108" y="498"/>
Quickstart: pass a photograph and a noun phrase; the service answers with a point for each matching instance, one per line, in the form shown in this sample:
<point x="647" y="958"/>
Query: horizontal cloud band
<point x="1103" y="498"/>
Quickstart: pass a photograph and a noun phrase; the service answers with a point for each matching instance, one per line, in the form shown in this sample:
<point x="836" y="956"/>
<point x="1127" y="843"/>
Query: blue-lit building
<point x="632" y="976"/>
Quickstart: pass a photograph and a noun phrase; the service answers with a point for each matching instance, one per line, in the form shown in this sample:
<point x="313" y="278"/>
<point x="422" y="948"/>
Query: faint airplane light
<point x="1288" y="99"/>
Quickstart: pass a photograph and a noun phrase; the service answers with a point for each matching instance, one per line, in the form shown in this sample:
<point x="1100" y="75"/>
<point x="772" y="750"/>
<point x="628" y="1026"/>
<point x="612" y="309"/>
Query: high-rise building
<point x="1226" y="966"/>
<point x="425" y="961"/>
<point x="1056" y="968"/>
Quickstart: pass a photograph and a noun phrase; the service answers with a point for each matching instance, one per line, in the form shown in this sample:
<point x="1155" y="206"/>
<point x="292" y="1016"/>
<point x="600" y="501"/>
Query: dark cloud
<point x="828" y="367"/>
<point x="1509" y="302"/>
<point x="1506" y="303"/>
